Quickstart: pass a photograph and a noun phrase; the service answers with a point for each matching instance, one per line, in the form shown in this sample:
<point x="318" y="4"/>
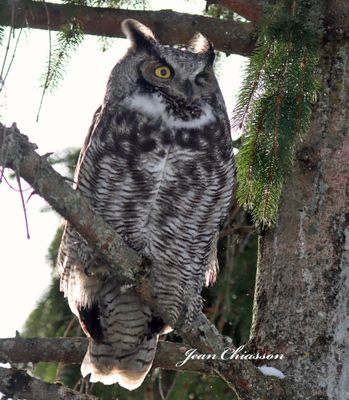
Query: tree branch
<point x="19" y="154"/>
<point x="72" y="351"/>
<point x="18" y="384"/>
<point x="170" y="27"/>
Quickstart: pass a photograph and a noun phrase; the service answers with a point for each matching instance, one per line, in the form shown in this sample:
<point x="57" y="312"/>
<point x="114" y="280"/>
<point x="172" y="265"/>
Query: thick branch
<point x="171" y="27"/>
<point x="72" y="351"/>
<point x="18" y="384"/>
<point x="19" y="154"/>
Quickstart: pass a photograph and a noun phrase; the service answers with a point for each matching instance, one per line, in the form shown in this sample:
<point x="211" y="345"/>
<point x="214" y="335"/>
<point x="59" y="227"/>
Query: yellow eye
<point x="163" y="72"/>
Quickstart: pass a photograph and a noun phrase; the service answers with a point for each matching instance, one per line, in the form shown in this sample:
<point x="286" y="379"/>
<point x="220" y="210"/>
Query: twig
<point x="2" y="81"/>
<point x="61" y="364"/>
<point x="12" y="58"/>
<point x="48" y="74"/>
<point x="23" y="204"/>
<point x="13" y="188"/>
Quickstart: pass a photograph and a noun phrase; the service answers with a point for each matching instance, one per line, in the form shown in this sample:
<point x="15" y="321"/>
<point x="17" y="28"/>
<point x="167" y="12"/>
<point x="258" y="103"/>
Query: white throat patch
<point x="154" y="106"/>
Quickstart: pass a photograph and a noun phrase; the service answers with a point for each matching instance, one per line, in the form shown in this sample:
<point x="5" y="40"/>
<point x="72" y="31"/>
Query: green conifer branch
<point x="269" y="191"/>
<point x="274" y="105"/>
<point x="249" y="91"/>
<point x="69" y="39"/>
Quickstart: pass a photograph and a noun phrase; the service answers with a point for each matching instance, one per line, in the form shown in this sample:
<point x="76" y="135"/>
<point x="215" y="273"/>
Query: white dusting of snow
<point x="271" y="371"/>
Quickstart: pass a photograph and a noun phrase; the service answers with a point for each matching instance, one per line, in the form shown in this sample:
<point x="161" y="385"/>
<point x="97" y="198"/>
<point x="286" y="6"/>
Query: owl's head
<point x="184" y="78"/>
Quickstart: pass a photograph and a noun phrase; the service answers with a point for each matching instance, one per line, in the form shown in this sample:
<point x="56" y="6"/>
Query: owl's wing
<point x="94" y="123"/>
<point x="73" y="247"/>
<point x="122" y="330"/>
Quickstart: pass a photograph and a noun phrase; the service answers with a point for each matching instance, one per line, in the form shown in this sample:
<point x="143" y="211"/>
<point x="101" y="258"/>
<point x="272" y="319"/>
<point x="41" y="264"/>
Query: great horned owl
<point x="157" y="165"/>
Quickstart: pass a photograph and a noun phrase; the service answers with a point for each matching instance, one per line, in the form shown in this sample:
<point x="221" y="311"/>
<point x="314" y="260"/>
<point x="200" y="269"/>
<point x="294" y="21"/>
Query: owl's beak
<point x="188" y="88"/>
<point x="190" y="93"/>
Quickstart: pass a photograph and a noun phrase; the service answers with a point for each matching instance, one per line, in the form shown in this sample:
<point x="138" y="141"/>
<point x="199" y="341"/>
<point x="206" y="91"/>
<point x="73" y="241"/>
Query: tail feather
<point x="107" y="365"/>
<point x="123" y="334"/>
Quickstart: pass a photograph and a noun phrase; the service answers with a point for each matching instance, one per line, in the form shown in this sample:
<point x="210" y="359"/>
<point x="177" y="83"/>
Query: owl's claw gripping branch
<point x="242" y="376"/>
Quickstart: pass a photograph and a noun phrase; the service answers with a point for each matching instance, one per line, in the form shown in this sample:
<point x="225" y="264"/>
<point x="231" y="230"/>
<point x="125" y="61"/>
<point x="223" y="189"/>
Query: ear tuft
<point x="201" y="45"/>
<point x="139" y="35"/>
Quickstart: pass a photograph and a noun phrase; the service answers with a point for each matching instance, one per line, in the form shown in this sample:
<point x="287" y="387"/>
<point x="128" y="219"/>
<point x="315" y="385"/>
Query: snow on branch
<point x="171" y="27"/>
<point x="17" y="153"/>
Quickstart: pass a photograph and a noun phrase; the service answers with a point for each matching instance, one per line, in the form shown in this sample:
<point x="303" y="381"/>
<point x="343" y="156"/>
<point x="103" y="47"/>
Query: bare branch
<point x="18" y="384"/>
<point x="36" y="170"/>
<point x="168" y="355"/>
<point x="16" y="350"/>
<point x="241" y="375"/>
<point x="72" y="351"/>
<point x="171" y="27"/>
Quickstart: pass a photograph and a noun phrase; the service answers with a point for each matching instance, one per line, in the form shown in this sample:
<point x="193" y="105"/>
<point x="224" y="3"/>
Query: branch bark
<point x="18" y="384"/>
<point x="72" y="351"/>
<point x="171" y="27"/>
<point x="17" y="153"/>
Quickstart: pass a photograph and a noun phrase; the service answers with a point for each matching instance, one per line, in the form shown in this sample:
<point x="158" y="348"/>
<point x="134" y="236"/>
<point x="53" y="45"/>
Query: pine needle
<point x="275" y="105"/>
